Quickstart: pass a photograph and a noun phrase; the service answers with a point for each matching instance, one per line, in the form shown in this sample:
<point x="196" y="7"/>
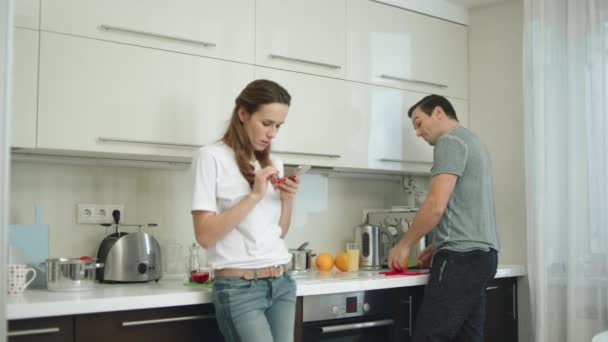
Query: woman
<point x="241" y="210"/>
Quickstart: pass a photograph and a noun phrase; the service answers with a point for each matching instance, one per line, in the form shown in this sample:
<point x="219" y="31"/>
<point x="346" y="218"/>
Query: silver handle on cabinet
<point x="167" y="320"/>
<point x="152" y="34"/>
<point x="409" y="302"/>
<point x="331" y="66"/>
<point x="491" y="288"/>
<point x="147" y="142"/>
<point x="514" y="302"/>
<point x="28" y="332"/>
<point x="309" y="154"/>
<point x="411" y="80"/>
<point x="356" y="326"/>
<point x="404" y="161"/>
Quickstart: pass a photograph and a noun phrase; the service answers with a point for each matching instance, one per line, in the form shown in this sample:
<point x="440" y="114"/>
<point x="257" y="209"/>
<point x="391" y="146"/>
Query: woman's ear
<point x="243" y="115"/>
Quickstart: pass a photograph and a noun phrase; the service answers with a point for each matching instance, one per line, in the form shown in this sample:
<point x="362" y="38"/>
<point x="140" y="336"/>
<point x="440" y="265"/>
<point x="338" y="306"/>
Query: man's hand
<point x="397" y="258"/>
<point x="424" y="257"/>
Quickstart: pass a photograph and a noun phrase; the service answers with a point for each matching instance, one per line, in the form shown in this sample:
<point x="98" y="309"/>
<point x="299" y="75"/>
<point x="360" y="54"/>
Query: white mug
<point x="17" y="276"/>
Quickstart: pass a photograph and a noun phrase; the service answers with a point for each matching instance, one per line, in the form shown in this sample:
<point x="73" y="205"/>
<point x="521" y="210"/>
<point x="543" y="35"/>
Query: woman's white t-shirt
<point x="218" y="185"/>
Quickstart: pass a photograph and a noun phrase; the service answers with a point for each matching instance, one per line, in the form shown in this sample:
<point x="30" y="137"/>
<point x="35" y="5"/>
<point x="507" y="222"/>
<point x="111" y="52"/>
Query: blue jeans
<point x="453" y="307"/>
<point x="259" y="310"/>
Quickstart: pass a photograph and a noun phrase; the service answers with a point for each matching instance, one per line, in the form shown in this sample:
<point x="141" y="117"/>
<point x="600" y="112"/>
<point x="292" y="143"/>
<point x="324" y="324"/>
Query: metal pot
<point x="301" y="258"/>
<point x="67" y="274"/>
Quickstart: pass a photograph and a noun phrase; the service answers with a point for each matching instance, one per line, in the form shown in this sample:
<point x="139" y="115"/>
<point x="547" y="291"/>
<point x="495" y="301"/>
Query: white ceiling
<point x="474" y="3"/>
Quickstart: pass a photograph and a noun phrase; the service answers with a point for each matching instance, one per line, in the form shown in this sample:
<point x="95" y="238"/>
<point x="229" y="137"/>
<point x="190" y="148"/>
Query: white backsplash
<point x="326" y="210"/>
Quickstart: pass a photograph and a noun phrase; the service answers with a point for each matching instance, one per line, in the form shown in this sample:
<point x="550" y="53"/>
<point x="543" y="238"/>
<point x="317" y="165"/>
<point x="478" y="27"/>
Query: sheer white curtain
<point x="566" y="118"/>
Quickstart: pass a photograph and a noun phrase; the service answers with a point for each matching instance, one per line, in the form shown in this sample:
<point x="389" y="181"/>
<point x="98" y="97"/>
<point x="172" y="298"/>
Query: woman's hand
<point x="260" y="183"/>
<point x="288" y="186"/>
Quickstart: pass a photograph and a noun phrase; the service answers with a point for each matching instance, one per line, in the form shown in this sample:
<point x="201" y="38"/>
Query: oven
<point x="348" y="317"/>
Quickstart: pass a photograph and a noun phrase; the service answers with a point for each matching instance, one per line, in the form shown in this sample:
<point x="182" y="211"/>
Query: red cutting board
<point x="405" y="272"/>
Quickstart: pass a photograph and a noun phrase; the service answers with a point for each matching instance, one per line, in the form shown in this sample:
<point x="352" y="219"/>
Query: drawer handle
<point x="309" y="154"/>
<point x="28" y="332"/>
<point x="331" y="66"/>
<point x="147" y="142"/>
<point x="491" y="288"/>
<point x="404" y="161"/>
<point x="411" y="80"/>
<point x="356" y="326"/>
<point x="157" y="35"/>
<point x="167" y="320"/>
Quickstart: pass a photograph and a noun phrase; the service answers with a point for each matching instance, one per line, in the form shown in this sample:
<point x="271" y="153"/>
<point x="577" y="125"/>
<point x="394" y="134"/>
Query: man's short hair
<point x="428" y="103"/>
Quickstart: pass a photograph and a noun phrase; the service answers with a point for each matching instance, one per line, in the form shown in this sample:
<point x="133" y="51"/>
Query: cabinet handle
<point x="409" y="302"/>
<point x="331" y="66"/>
<point x="152" y="34"/>
<point x="167" y="320"/>
<point x="309" y="154"/>
<point x="411" y="80"/>
<point x="404" y="161"/>
<point x="53" y="330"/>
<point x="491" y="288"/>
<point x="514" y="302"/>
<point x="148" y="142"/>
<point x="356" y="326"/>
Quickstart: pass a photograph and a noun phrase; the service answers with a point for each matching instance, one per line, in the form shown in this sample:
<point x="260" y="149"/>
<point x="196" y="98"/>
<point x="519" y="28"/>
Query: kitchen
<point x="84" y="133"/>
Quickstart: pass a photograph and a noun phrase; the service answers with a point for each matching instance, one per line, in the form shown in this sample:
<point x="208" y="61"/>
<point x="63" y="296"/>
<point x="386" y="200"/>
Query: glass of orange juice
<point x="352" y="251"/>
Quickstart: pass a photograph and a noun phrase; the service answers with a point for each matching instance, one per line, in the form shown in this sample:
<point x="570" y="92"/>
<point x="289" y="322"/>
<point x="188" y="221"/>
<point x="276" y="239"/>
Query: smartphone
<point x="300" y="170"/>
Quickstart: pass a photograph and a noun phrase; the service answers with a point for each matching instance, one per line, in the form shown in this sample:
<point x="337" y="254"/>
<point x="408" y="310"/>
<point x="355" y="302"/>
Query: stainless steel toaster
<point x="129" y="257"/>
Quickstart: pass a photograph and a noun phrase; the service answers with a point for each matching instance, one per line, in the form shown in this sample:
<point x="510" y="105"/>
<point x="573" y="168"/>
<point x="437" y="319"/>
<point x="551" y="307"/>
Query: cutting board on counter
<point x="29" y="243"/>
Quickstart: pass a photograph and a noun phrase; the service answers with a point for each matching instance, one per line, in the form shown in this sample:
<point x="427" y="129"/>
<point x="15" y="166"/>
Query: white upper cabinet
<point x="318" y="129"/>
<point x="399" y="48"/>
<point x="302" y="35"/>
<point x="26" y="14"/>
<point x="108" y="97"/>
<point x="24" y="87"/>
<point x="392" y="143"/>
<point x="221" y="29"/>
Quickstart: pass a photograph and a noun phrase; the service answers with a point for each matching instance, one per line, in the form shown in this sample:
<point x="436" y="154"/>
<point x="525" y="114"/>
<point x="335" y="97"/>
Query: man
<point x="460" y="207"/>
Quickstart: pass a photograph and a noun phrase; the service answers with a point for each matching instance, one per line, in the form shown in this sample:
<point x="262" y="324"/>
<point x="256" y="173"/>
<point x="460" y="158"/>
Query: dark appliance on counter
<point x="355" y="316"/>
<point x="129" y="257"/>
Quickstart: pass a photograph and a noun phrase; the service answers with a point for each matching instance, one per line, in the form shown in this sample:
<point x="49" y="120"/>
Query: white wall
<point x="326" y="211"/>
<point x="496" y="114"/>
<point x="5" y="52"/>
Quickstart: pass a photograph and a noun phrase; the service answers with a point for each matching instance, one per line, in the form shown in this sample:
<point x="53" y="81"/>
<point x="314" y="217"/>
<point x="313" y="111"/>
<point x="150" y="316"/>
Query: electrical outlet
<point x="98" y="213"/>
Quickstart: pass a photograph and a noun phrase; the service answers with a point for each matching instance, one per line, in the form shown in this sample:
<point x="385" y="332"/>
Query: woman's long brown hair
<point x="255" y="94"/>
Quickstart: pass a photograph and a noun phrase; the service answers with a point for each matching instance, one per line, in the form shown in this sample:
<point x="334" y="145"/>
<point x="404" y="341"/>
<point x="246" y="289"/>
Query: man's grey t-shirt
<point x="469" y="221"/>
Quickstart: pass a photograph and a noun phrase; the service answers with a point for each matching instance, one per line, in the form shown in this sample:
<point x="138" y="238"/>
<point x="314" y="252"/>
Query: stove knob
<point x="142" y="268"/>
<point x="335" y="309"/>
<point x="366" y="307"/>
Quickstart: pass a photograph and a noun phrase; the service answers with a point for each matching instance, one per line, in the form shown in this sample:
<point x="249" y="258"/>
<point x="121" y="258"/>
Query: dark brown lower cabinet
<point x="501" y="310"/>
<point x="181" y="323"/>
<point x="406" y="304"/>
<point x="49" y="329"/>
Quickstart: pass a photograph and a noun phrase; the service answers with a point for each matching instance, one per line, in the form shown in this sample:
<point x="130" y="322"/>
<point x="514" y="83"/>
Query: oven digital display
<point x="351" y="304"/>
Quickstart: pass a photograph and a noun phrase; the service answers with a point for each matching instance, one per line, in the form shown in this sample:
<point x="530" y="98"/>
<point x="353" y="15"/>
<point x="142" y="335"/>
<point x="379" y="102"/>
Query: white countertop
<point x="173" y="292"/>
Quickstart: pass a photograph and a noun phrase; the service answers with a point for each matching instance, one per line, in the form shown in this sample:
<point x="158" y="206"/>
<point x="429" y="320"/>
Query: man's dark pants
<point x="453" y="308"/>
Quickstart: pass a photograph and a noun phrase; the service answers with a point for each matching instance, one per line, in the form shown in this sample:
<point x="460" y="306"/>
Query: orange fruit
<point x="342" y="262"/>
<point x="325" y="261"/>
